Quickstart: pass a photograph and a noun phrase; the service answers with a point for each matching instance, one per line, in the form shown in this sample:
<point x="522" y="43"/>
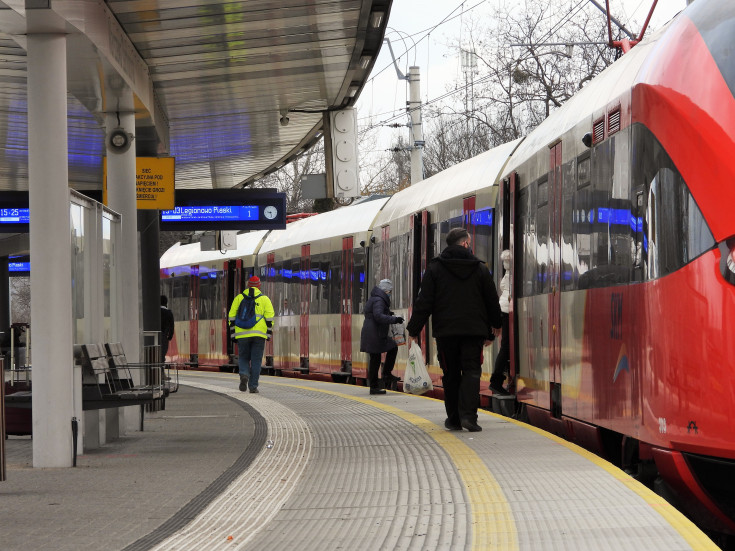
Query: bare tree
<point x="20" y="299"/>
<point x="531" y="58"/>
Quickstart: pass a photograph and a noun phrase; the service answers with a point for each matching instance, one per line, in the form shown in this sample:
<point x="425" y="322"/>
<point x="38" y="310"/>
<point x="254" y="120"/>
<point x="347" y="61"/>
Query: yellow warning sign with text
<point x="154" y="183"/>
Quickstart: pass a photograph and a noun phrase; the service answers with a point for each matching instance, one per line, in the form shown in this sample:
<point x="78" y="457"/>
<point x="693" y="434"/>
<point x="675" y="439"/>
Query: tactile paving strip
<point x="252" y="499"/>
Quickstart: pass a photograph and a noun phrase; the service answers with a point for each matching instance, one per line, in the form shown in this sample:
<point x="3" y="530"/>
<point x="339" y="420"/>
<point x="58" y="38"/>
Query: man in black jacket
<point x="458" y="292"/>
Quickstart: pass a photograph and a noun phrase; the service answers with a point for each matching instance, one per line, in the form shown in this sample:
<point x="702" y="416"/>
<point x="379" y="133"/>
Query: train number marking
<point x="662" y="425"/>
<point x="692" y="426"/>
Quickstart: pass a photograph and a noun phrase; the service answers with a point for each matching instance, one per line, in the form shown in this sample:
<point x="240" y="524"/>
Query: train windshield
<point x="716" y="24"/>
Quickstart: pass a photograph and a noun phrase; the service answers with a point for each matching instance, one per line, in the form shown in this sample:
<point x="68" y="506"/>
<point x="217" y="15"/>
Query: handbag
<point x="416" y="379"/>
<point x="397" y="332"/>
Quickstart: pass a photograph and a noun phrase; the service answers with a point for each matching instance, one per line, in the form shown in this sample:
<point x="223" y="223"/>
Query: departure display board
<point x="230" y="209"/>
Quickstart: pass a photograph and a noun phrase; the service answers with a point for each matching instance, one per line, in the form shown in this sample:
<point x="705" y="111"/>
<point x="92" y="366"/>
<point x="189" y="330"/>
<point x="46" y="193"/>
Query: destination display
<point x="214" y="213"/>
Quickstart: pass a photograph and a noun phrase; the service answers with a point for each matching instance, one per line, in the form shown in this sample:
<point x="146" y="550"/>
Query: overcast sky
<point x="385" y="95"/>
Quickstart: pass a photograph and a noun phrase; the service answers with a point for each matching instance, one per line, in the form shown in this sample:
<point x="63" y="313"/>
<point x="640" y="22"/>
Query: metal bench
<point x="165" y="375"/>
<point x="104" y="387"/>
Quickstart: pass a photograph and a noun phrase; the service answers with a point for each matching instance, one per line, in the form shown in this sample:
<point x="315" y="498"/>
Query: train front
<point x="684" y="114"/>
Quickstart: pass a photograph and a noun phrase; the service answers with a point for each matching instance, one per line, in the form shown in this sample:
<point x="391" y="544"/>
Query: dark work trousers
<point x="461" y="361"/>
<point x="374" y="367"/>
<point x="502" y="361"/>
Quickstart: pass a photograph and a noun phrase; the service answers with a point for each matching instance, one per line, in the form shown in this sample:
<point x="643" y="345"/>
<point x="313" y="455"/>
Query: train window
<point x="179" y="301"/>
<point x="543" y="192"/>
<point x="583" y="170"/>
<point x="335" y="283"/>
<point x="542" y="250"/>
<point x="526" y="242"/>
<point x="567" y="263"/>
<point x="674" y="230"/>
<point x="483" y="243"/>
<point x="204" y="296"/>
<point x="358" y="281"/>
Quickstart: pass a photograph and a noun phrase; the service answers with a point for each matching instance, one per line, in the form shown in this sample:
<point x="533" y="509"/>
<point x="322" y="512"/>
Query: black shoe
<point x="471" y="426"/>
<point x="499" y="390"/>
<point x="377" y="391"/>
<point x="244" y="384"/>
<point x="254" y="391"/>
<point x="452" y="426"/>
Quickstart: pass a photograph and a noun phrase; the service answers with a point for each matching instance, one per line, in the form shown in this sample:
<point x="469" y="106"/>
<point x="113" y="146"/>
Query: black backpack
<point x="246" y="317"/>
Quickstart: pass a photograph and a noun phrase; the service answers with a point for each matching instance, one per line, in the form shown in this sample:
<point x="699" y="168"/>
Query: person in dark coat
<point x="167" y="326"/>
<point x="374" y="338"/>
<point x="458" y="292"/>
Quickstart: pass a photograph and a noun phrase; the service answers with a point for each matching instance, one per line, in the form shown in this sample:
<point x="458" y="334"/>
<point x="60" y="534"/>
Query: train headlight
<point x="727" y="260"/>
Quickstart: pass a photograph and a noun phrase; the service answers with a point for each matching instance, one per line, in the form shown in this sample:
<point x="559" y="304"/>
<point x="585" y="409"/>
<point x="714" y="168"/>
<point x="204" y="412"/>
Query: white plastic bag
<point x="416" y="379"/>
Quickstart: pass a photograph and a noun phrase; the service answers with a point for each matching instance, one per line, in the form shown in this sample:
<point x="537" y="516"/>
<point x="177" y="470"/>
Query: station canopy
<point x="211" y="82"/>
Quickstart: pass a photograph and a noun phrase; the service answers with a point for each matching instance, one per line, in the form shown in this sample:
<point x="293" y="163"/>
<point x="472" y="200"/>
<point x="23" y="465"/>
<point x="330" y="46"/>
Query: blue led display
<point x="19" y="266"/>
<point x="15" y="216"/>
<point x="218" y="213"/>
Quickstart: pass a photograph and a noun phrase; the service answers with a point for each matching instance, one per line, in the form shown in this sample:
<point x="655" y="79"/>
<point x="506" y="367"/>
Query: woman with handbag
<point x="375" y="339"/>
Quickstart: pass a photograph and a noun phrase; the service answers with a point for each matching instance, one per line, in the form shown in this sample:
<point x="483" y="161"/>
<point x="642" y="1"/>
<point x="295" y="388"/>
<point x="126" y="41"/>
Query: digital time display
<point x="212" y="213"/>
<point x="15" y="216"/>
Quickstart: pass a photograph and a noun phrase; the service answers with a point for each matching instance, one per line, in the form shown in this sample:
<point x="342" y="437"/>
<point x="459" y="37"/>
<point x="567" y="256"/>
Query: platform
<point x="318" y="466"/>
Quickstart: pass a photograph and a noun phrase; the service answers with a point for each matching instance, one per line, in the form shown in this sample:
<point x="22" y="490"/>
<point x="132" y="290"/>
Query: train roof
<point x="337" y="223"/>
<point x="184" y="255"/>
<point x="459" y="180"/>
<point x="587" y="104"/>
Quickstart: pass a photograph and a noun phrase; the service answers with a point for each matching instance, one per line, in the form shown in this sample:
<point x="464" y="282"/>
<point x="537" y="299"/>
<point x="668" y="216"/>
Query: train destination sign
<point x="226" y="209"/>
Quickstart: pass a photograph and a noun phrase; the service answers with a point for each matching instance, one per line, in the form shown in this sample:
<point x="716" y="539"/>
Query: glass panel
<point x="77" y="273"/>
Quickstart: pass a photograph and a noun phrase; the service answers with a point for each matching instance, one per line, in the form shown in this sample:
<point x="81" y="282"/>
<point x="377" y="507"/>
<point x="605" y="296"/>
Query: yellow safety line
<point x="493" y="526"/>
<point x="495" y="514"/>
<point x="685" y="527"/>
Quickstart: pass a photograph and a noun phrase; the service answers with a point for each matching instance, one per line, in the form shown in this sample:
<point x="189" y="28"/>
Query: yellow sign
<point x="154" y="183"/>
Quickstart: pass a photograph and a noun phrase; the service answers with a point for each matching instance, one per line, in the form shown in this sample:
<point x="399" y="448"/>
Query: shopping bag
<point x="416" y="379"/>
<point x="397" y="332"/>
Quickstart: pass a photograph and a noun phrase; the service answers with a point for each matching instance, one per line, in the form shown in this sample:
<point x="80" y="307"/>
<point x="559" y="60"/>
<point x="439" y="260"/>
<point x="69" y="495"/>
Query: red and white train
<point x="618" y="210"/>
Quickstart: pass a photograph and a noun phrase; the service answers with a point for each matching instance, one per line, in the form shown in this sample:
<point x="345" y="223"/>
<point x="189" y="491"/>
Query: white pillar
<point x="50" y="240"/>
<point x="417" y="132"/>
<point x="121" y="197"/>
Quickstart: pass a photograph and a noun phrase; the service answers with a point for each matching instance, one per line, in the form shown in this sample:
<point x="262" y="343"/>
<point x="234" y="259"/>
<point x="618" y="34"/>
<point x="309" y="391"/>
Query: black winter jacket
<point x="458" y="292"/>
<point x="374" y="338"/>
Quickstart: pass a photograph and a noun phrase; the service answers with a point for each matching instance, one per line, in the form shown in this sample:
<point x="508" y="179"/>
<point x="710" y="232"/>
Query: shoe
<point x="254" y="391"/>
<point x="377" y="391"/>
<point x="244" y="384"/>
<point x="452" y="426"/>
<point x="499" y="390"/>
<point x="471" y="426"/>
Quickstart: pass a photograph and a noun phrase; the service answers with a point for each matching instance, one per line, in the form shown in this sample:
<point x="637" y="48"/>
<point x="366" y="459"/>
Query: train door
<point x="270" y="286"/>
<point x="554" y="275"/>
<point x="194" y="315"/>
<point x="420" y="261"/>
<point x="346" y="276"/>
<point x="506" y="240"/>
<point x="305" y="296"/>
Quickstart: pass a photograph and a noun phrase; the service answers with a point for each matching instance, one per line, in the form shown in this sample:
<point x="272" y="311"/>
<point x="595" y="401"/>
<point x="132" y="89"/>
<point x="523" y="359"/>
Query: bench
<point x="104" y="386"/>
